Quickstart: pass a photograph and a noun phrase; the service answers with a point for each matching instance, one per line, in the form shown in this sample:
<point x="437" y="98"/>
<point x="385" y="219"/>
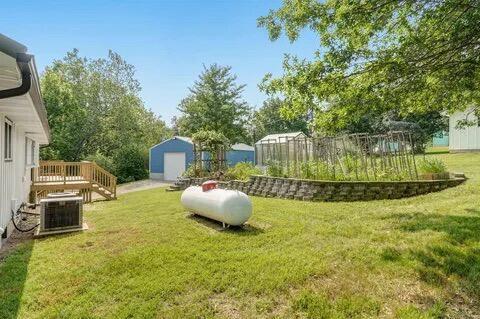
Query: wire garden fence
<point x="359" y="156"/>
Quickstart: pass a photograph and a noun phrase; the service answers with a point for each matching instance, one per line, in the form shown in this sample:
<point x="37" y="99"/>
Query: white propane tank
<point x="227" y="206"/>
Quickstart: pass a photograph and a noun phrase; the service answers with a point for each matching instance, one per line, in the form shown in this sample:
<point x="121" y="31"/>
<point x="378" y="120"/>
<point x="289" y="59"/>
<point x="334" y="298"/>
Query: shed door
<point x="174" y="165"/>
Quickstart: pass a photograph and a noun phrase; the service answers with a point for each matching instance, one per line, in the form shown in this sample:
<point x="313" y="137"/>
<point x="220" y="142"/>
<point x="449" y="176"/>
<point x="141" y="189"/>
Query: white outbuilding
<point x="464" y="139"/>
<point x="272" y="145"/>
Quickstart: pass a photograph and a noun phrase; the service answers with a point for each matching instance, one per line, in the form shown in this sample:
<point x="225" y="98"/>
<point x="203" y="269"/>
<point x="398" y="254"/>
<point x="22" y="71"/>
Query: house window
<point x="8" y="141"/>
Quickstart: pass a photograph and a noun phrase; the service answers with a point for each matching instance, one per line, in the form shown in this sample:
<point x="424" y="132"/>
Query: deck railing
<point x="57" y="172"/>
<point x="102" y="177"/>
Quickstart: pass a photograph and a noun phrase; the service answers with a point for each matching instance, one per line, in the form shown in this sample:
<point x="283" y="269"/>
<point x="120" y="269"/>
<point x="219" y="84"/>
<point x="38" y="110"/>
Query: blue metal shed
<point x="240" y="153"/>
<point x="170" y="159"/>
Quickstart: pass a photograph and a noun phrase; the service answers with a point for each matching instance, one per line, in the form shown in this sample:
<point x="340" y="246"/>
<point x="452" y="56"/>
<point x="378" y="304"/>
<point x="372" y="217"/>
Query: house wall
<point x="157" y="155"/>
<point x="15" y="176"/>
<point x="463" y="140"/>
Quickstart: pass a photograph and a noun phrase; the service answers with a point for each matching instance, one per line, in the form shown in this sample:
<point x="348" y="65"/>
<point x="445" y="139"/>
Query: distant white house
<point x="464" y="139"/>
<point x="24" y="127"/>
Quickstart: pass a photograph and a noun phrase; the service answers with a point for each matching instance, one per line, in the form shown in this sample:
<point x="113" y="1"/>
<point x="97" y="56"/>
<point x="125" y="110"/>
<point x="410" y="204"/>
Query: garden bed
<point x="315" y="190"/>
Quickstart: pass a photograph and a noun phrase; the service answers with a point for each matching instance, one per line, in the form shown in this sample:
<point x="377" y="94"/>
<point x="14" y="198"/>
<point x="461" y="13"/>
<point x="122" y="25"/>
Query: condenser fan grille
<point x="61" y="213"/>
<point x="60" y="216"/>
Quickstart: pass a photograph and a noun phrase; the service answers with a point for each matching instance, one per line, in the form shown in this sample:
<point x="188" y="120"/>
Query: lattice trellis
<point x="205" y="161"/>
<point x="358" y="156"/>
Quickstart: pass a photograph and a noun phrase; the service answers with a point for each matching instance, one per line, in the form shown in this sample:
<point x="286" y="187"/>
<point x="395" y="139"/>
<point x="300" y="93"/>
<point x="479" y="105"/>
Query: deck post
<point x="64" y="172"/>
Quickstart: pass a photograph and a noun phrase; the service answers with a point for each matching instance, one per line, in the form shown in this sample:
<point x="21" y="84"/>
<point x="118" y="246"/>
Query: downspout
<point x="23" y="64"/>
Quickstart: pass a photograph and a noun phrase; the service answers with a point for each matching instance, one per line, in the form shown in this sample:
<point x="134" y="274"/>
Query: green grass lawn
<point x="145" y="257"/>
<point x="437" y="150"/>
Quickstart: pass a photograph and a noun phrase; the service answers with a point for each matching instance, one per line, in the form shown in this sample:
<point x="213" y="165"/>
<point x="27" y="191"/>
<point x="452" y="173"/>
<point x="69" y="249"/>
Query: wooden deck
<point x="82" y="178"/>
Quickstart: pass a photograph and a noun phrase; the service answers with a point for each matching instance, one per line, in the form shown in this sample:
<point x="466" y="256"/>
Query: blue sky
<point x="167" y="41"/>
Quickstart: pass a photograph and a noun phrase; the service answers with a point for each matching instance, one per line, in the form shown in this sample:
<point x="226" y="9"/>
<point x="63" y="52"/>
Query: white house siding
<point x="29" y="121"/>
<point x="15" y="175"/>
<point x="466" y="139"/>
<point x="7" y="177"/>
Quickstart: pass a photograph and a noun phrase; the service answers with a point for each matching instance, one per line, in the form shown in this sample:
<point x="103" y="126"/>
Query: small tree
<point x="215" y="103"/>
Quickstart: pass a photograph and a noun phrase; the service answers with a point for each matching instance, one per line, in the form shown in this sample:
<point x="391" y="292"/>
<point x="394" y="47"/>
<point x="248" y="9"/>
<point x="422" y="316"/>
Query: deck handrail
<point x="104" y="178"/>
<point x="59" y="172"/>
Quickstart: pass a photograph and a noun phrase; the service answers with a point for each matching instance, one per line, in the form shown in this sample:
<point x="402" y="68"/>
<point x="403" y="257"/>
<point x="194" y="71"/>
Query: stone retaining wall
<point x="313" y="190"/>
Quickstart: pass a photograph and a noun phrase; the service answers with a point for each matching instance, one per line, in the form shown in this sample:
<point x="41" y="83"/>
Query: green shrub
<point x="193" y="171"/>
<point x="431" y="166"/>
<point x="351" y="163"/>
<point x="242" y="171"/>
<point x="132" y="164"/>
<point x="317" y="170"/>
<point x="307" y="170"/>
<point x="274" y="169"/>
<point x="347" y="169"/>
<point x="390" y="174"/>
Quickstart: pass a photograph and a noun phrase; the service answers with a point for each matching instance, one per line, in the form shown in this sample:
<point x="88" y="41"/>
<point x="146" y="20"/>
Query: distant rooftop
<point x="235" y="147"/>
<point x="280" y="137"/>
<point x="184" y="138"/>
<point x="242" y="147"/>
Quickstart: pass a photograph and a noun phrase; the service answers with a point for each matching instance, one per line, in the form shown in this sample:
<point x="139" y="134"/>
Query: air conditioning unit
<point x="61" y="214"/>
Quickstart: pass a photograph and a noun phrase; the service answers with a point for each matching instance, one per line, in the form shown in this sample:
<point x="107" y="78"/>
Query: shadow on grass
<point x="244" y="230"/>
<point x="13" y="274"/>
<point x="458" y="257"/>
<point x="472" y="210"/>
<point x="457" y="228"/>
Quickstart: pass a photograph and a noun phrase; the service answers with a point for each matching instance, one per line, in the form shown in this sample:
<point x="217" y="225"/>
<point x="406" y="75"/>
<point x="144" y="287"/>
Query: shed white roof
<point x="276" y="138"/>
<point x="242" y="147"/>
<point x="184" y="138"/>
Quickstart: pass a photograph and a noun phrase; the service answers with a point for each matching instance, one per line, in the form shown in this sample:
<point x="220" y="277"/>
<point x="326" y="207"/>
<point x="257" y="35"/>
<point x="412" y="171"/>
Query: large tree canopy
<point x="268" y="120"/>
<point x="94" y="112"/>
<point x="379" y="55"/>
<point x="214" y="104"/>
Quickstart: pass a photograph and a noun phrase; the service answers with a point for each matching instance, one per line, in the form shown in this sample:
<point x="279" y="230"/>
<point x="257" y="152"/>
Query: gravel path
<point x="141" y="185"/>
<point x="135" y="187"/>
